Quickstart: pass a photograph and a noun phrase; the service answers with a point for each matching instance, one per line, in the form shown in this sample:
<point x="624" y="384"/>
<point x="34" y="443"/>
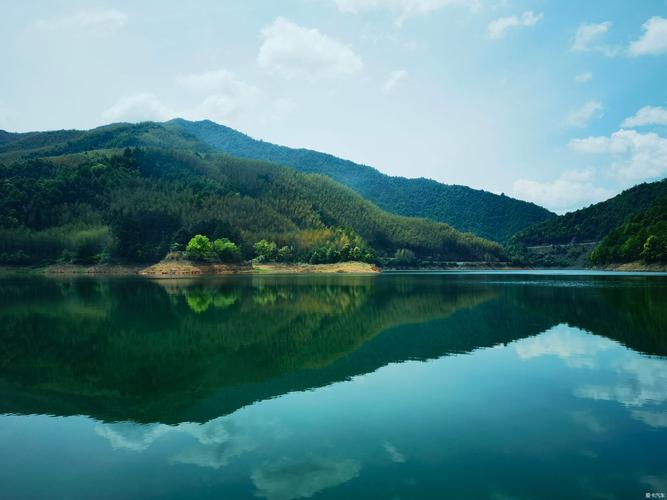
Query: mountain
<point x="571" y="238"/>
<point x="642" y="237"/>
<point x="6" y="137"/>
<point x="492" y="216"/>
<point x="130" y="192"/>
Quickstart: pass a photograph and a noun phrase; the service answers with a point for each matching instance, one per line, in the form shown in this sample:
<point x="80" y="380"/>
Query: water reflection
<point x="173" y="351"/>
<point x="389" y="386"/>
<point x="286" y="479"/>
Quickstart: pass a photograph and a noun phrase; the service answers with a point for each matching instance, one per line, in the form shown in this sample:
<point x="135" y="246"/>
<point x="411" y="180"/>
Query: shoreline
<point x="173" y="269"/>
<point x="185" y="269"/>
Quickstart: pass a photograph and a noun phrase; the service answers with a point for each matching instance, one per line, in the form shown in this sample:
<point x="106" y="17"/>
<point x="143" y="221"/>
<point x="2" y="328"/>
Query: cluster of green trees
<point x="594" y="222"/>
<point x="268" y="251"/>
<point x="485" y="214"/>
<point x="129" y="192"/>
<point x="71" y="243"/>
<point x="324" y="247"/>
<point x="621" y="224"/>
<point x="200" y="248"/>
<point x="642" y="237"/>
<point x="404" y="257"/>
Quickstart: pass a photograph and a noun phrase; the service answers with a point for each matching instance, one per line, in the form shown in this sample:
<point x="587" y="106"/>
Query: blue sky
<point x="559" y="102"/>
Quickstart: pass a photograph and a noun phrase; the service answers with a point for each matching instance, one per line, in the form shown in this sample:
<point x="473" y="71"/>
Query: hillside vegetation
<point x="618" y="223"/>
<point x="485" y="214"/>
<point x="134" y="192"/>
<point x="642" y="237"/>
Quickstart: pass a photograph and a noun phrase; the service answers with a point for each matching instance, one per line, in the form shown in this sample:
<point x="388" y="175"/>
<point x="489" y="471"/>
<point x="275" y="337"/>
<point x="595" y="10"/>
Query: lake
<point x="451" y="385"/>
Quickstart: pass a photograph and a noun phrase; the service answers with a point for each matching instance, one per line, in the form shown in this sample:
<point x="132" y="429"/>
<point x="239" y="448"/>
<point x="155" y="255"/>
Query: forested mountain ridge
<point x="492" y="216"/>
<point x="624" y="218"/>
<point x="114" y="136"/>
<point x="642" y="236"/>
<point x="133" y="192"/>
<point x="595" y="221"/>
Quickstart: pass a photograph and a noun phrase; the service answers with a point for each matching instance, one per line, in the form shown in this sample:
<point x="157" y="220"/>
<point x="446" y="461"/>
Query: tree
<point x="226" y="250"/>
<point x="285" y="254"/>
<point x="405" y="256"/>
<point x="265" y="251"/>
<point x="199" y="248"/>
<point x="369" y="256"/>
<point x="356" y="254"/>
<point x="654" y="249"/>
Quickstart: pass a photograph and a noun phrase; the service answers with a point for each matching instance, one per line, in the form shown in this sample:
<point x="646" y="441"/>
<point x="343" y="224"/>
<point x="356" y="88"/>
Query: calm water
<point x="395" y="386"/>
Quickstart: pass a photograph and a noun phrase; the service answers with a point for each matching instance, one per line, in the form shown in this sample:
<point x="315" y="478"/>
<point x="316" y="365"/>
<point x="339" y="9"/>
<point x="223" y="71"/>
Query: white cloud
<point x="565" y="342"/>
<point x="582" y="116"/>
<point x="127" y="436"/>
<point x="648" y="115"/>
<point x="288" y="479"/>
<point x="295" y="51"/>
<point x="211" y="444"/>
<point x="137" y="108"/>
<point x="570" y="190"/>
<point x="497" y="29"/>
<point x="641" y="381"/>
<point x="217" y="95"/>
<point x="394" y="455"/>
<point x="584" y="77"/>
<point x="652" y="418"/>
<point x="226" y="96"/>
<point x="654" y="39"/>
<point x="87" y="22"/>
<point x="393" y="80"/>
<point x="635" y="156"/>
<point x="404" y="8"/>
<point x="588" y="38"/>
<point x="214" y="82"/>
<point x="589" y="421"/>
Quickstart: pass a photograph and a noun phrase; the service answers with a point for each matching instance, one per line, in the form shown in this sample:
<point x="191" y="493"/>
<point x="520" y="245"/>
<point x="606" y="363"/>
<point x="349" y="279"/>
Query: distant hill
<point x="584" y="228"/>
<point x="6" y="137"/>
<point x="642" y="237"/>
<point x="485" y="214"/>
<point x="132" y="192"/>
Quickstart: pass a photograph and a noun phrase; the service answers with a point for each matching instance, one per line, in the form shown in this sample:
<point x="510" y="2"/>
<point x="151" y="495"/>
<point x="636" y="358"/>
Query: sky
<point x="559" y="102"/>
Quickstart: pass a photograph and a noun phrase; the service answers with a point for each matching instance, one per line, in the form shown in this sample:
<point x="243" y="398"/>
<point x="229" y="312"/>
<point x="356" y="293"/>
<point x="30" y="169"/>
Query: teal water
<point x="455" y="385"/>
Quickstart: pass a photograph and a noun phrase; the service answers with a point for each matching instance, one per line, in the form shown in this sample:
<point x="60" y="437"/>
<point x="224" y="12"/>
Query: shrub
<point x="285" y="254"/>
<point x="405" y="256"/>
<point x="226" y="250"/>
<point x="266" y="251"/>
<point x="654" y="249"/>
<point x="199" y="248"/>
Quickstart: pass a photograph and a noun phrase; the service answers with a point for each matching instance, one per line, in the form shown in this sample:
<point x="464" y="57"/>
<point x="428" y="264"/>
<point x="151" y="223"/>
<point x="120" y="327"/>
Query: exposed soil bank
<point x="177" y="268"/>
<point x="173" y="268"/>
<point x="638" y="266"/>
<point x="183" y="268"/>
<point x="71" y="269"/>
<point x="339" y="267"/>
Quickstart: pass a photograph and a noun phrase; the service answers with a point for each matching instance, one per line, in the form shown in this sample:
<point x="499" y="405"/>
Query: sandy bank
<point x="183" y="269"/>
<point x="637" y="266"/>
<point x="168" y="268"/>
<point x="339" y="267"/>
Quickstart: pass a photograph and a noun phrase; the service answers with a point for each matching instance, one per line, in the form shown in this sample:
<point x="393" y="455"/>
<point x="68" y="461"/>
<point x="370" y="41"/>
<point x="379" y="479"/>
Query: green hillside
<point x="489" y="215"/>
<point x="572" y="236"/>
<point x="133" y="192"/>
<point x="642" y="237"/>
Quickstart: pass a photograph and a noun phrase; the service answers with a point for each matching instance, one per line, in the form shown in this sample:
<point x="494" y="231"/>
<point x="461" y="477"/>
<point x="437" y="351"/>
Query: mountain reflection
<point x="176" y="351"/>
